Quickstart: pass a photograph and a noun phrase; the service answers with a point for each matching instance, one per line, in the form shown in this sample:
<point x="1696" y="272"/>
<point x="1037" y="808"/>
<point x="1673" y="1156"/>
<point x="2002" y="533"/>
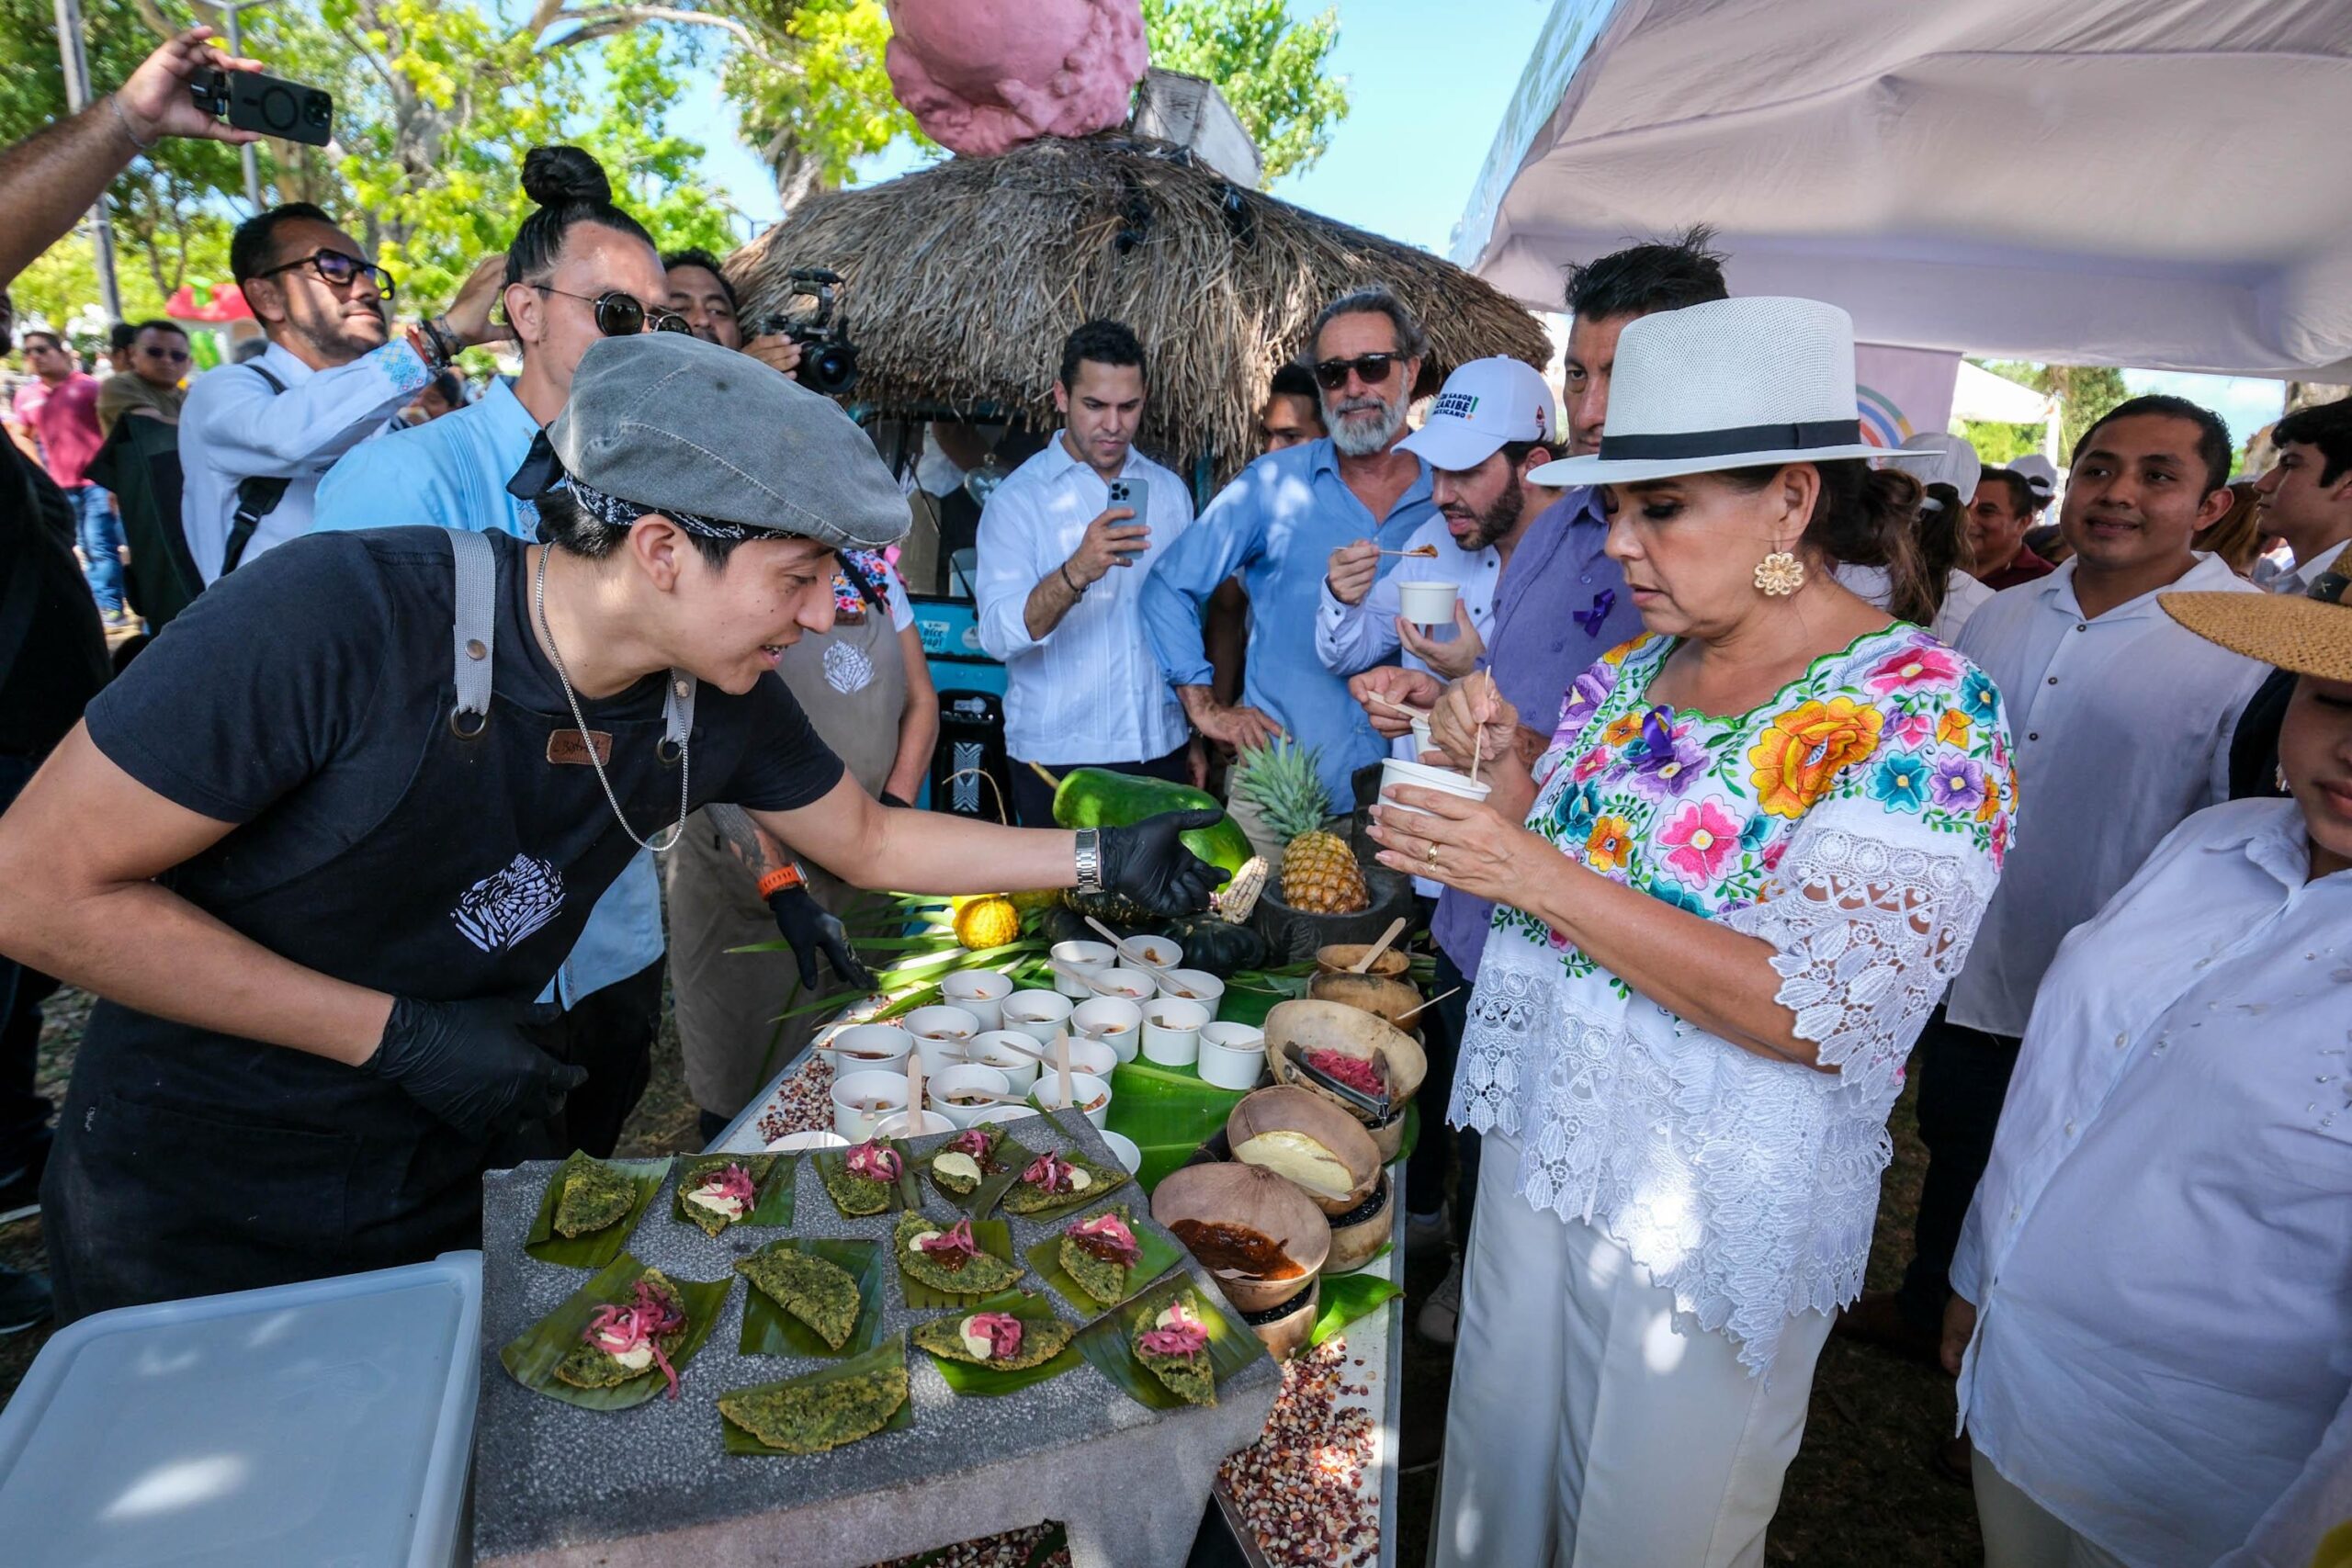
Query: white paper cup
<point x="819" y="1139"/>
<point x="1132" y="985"/>
<point x="1116" y="1021"/>
<point x="916" y="1126"/>
<point x="1232" y="1056"/>
<point x="939" y="1092"/>
<point x="1171" y="1032"/>
<point x="1038" y="1014"/>
<point x="941" y="1033"/>
<point x="993" y="1049"/>
<point x="1088" y="1057"/>
<point x="1423" y="742"/>
<point x="1156" y="951"/>
<point x="1203" y="988"/>
<point x="1395" y="770"/>
<point x="861" y="1099"/>
<point x="1086" y="957"/>
<point x="979" y="992"/>
<point x="870" y="1047"/>
<point x="1124" y="1148"/>
<point x="1427" y="603"/>
<point x="1086" y="1088"/>
<point x="1000" y="1114"/>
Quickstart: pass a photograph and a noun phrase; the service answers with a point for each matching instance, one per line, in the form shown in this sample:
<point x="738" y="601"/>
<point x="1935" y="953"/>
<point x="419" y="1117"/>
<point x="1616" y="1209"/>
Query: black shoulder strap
<point x="256" y="497"/>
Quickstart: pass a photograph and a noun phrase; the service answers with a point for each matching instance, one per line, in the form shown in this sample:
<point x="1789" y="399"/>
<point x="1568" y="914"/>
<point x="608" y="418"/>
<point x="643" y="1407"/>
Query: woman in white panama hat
<point x="2149" y="1291"/>
<point x="1756" y="847"/>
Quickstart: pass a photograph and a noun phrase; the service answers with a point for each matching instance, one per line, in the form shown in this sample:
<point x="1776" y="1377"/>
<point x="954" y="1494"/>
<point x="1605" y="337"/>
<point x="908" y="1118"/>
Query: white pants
<point x="1587" y="1429"/>
<point x="2021" y="1533"/>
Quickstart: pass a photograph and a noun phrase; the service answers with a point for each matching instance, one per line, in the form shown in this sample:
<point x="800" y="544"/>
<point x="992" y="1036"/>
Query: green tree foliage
<point x="2084" y="393"/>
<point x="815" y="98"/>
<point x="1270" y="68"/>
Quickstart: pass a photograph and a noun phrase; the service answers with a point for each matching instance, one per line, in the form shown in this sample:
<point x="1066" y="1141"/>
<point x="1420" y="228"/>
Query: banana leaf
<point x="1029" y="1307"/>
<point x="904" y="1195"/>
<point x="531" y="1357"/>
<point x="773" y="1175"/>
<point x="995" y="1238"/>
<point x="1108" y="1343"/>
<point x="1347" y="1297"/>
<point x="980" y="1202"/>
<point x="891" y="1350"/>
<point x="769" y="1330"/>
<point x="1156" y="1256"/>
<point x="597" y="1248"/>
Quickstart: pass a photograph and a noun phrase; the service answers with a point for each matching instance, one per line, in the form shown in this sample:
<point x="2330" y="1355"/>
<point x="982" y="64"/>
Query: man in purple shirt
<point x="1560" y="605"/>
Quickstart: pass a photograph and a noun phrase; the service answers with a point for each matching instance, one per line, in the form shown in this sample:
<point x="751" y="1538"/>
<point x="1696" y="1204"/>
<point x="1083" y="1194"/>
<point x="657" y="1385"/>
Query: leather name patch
<point x="570" y="748"/>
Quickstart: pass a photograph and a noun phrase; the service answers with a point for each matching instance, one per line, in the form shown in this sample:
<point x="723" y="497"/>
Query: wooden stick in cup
<point x="1385" y="700"/>
<point x="1061" y="1065"/>
<point x="915" y="1090"/>
<point x="1430" y="1003"/>
<point x="1119" y="945"/>
<point x="1364" y="964"/>
<point x="1069" y="971"/>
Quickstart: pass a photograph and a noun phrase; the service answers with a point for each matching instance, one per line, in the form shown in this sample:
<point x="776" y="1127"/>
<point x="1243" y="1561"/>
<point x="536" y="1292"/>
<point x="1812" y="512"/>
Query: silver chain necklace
<point x="540" y="605"/>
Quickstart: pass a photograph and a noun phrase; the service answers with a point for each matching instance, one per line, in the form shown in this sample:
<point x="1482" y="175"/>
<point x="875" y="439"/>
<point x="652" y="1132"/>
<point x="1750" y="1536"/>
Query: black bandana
<point x="615" y="512"/>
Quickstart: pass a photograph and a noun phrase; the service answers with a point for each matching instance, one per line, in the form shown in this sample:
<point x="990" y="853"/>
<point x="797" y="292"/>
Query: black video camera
<point x="271" y="105"/>
<point x="828" y="358"/>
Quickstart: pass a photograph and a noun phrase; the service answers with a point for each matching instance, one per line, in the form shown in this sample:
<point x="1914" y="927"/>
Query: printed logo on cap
<point x="1463" y="406"/>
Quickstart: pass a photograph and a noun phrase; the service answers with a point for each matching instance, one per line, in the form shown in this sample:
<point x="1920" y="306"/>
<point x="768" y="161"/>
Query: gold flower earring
<point x="1780" y="574"/>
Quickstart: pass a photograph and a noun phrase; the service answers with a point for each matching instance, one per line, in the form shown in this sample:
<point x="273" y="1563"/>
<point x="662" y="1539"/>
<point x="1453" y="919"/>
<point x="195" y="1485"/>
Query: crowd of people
<point x="1809" y="763"/>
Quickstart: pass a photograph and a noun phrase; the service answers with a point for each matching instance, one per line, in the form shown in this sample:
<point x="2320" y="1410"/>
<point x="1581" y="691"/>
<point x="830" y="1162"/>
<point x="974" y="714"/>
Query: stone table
<point x="556" y="1484"/>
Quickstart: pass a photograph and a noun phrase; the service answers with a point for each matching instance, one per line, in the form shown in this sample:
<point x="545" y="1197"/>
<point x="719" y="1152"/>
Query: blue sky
<point x="1427" y="85"/>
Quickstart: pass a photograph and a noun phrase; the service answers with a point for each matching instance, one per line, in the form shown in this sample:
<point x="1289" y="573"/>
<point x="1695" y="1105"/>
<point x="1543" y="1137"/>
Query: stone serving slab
<point x="555" y="1485"/>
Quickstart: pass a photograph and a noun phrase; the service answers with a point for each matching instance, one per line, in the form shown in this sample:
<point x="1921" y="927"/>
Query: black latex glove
<point x="471" y="1063"/>
<point x="812" y="929"/>
<point x="889" y="799"/>
<point x="1150" y="863"/>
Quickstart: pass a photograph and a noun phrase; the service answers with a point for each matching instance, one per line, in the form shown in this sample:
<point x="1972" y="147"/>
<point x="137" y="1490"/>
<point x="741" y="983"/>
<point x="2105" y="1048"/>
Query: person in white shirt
<point x="255" y="437"/>
<point x="1065" y="545"/>
<point x="2150" y="1287"/>
<point x="1948" y="478"/>
<point x="2122" y="723"/>
<point x="2306" y="499"/>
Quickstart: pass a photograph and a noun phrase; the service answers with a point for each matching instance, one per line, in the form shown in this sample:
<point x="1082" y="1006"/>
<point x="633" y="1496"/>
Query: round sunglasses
<point x="620" y="314"/>
<point x="336" y="269"/>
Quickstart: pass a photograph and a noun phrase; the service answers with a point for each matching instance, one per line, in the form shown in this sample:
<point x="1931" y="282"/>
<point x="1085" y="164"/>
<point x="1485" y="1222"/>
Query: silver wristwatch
<point x="1090" y="860"/>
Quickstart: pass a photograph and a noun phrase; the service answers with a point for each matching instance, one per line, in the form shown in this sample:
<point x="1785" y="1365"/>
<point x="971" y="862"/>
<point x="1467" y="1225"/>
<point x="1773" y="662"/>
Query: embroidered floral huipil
<point x="1857" y="823"/>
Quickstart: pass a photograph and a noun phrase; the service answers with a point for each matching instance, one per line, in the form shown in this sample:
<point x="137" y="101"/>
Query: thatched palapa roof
<point x="961" y="281"/>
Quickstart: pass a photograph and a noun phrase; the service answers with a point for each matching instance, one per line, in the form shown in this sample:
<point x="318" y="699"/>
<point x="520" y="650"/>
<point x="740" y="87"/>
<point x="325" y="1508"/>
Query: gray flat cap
<point x="670" y="422"/>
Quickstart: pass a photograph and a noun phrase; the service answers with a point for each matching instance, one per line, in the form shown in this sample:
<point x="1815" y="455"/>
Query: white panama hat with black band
<point x="1731" y="384"/>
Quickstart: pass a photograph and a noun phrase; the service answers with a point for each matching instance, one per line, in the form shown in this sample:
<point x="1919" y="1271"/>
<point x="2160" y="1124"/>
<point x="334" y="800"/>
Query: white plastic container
<point x="941" y="1033"/>
<point x="1156" y="951"/>
<point x="1088" y="958"/>
<point x="993" y="1049"/>
<point x="1171" y="1032"/>
<point x="1196" y="985"/>
<point x="1395" y="770"/>
<point x="1116" y="1021"/>
<point x="1232" y="1056"/>
<point x="870" y="1047"/>
<point x="1038" y="1014"/>
<point x="1085" y="1088"/>
<point x="1427" y="603"/>
<point x="979" y="992"/>
<point x="330" y="1421"/>
<point x="861" y="1099"/>
<point x="939" y="1092"/>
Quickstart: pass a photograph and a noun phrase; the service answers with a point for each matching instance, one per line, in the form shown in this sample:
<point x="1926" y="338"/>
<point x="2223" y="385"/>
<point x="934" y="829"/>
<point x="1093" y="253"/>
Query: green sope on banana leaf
<point x="1096" y="797"/>
<point x="811" y="1416"/>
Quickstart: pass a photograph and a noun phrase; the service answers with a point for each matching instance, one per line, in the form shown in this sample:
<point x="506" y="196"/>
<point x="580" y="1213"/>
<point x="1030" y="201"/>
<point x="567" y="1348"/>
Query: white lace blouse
<point x="1857" y="823"/>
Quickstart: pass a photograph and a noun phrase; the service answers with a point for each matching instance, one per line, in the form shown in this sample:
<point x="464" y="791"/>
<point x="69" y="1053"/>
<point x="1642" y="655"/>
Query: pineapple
<point x="1320" y="874"/>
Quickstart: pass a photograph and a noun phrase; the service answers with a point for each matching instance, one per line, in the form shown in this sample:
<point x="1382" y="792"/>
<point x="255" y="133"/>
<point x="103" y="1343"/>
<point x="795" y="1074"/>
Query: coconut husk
<point x="1254" y="1199"/>
<point x="1390" y="999"/>
<point x="1285" y="1126"/>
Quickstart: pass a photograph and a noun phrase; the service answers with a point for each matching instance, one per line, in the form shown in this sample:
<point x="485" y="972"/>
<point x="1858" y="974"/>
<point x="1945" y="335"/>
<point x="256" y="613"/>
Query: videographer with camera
<point x="866" y="689"/>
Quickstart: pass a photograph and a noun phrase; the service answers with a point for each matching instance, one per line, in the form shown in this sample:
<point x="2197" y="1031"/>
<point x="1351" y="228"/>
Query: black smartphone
<point x="270" y="104"/>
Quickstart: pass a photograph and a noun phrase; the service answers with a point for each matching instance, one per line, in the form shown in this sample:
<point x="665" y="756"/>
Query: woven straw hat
<point x="1730" y="384"/>
<point x="2308" y="633"/>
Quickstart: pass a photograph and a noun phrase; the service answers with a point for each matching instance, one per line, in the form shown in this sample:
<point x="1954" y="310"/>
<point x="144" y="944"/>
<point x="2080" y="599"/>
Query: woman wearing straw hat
<point x="2150" y="1286"/>
<point x="1756" y="847"/>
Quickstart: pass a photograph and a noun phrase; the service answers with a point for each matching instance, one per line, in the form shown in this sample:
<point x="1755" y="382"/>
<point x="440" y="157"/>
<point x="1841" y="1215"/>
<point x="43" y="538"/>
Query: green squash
<point x="1097" y="798"/>
<point x="1218" y="946"/>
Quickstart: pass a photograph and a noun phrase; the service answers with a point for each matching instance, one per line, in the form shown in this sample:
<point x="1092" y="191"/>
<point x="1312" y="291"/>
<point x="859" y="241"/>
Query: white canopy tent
<point x="1980" y="394"/>
<point x="2151" y="183"/>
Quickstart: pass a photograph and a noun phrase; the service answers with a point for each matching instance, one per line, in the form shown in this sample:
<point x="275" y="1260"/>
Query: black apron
<point x="189" y="1162"/>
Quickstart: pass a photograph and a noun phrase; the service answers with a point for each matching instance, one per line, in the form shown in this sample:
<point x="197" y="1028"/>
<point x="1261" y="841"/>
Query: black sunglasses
<point x="337" y="270"/>
<point x="177" y="356"/>
<point x="620" y="314"/>
<point x="1371" y="368"/>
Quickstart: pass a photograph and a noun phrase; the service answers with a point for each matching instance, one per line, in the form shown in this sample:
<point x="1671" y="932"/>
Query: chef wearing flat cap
<point x="323" y="844"/>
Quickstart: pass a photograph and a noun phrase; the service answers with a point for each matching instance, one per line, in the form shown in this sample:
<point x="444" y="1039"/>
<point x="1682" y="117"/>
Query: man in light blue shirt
<point x="1065" y="544"/>
<point x="1277" y="524"/>
<point x="578" y="270"/>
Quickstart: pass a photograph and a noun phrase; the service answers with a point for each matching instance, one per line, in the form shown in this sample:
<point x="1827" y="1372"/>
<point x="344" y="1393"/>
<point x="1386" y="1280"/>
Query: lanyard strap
<point x="473" y="630"/>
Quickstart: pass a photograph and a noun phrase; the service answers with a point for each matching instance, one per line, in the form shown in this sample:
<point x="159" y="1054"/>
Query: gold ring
<point x="1430" y="854"/>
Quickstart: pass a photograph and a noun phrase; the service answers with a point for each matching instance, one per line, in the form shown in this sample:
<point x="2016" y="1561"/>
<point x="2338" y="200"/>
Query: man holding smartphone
<point x="1065" y="545"/>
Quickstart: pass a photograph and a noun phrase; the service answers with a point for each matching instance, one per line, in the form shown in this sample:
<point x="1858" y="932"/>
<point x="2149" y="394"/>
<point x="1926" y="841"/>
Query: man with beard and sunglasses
<point x="579" y="270"/>
<point x="1277" y="524"/>
<point x="256" y="437"/>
